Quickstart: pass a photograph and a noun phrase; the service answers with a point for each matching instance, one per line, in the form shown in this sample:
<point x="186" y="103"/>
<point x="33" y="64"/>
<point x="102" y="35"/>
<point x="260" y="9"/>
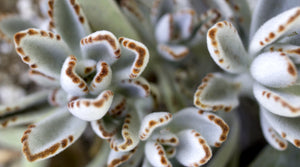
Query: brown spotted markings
<point x="139" y="61"/>
<point x="278" y="99"/>
<point x="202" y="86"/>
<point x="45" y="153"/>
<point x="175" y="56"/>
<point x="103" y="37"/>
<point x="152" y="124"/>
<point x="117" y="161"/>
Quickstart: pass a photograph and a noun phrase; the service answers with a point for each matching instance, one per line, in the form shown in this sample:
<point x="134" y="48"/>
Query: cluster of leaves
<point x="88" y="60"/>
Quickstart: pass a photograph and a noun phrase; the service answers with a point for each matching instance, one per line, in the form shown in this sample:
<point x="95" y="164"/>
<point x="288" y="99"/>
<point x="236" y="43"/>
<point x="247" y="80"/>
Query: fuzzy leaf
<point x="156" y="155"/>
<point x="101" y="45"/>
<point x="117" y="158"/>
<point x="138" y="87"/>
<point x="163" y="29"/>
<point x="105" y="15"/>
<point x="288" y="127"/>
<point x="70" y="81"/>
<point x="25" y="102"/>
<point x="216" y="92"/>
<point x="284" y="101"/>
<point x="52" y="135"/>
<point x="69" y="21"/>
<point x="91" y="109"/>
<point x="212" y="127"/>
<point x="167" y="138"/>
<point x="43" y="51"/>
<point x="152" y="121"/>
<point x="134" y="59"/>
<point x="102" y="79"/>
<point x="275" y="28"/>
<point x="105" y="128"/>
<point x="25" y="117"/>
<point x="11" y="24"/>
<point x="230" y="57"/>
<point x="274" y="69"/>
<point x="293" y="51"/>
<point x="118" y="107"/>
<point x="266" y="9"/>
<point x="173" y="52"/>
<point x="130" y="135"/>
<point x="273" y="138"/>
<point x="192" y="149"/>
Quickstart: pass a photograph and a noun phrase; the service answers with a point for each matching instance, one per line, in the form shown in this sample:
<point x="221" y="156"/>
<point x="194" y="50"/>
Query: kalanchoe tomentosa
<point x="269" y="69"/>
<point x="91" y="70"/>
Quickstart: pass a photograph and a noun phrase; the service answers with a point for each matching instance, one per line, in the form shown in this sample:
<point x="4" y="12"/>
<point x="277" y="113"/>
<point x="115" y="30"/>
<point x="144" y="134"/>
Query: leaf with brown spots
<point x="212" y="127"/>
<point x="73" y="26"/>
<point x="91" y="109"/>
<point x="51" y="135"/>
<point x="289" y="126"/>
<point x="274" y="69"/>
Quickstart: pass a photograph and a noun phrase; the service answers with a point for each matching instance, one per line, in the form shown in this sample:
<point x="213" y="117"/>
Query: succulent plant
<point x="266" y="71"/>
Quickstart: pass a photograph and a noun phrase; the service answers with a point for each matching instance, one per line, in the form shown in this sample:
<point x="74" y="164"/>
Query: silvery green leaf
<point x="102" y="79"/>
<point x="173" y="52"/>
<point x="100" y="159"/>
<point x="272" y="157"/>
<point x="117" y="158"/>
<point x="166" y="138"/>
<point x="136" y="158"/>
<point x="10" y="137"/>
<point x="231" y="58"/>
<point x="101" y="46"/>
<point x="91" y="109"/>
<point x="69" y="21"/>
<point x="152" y="121"/>
<point x="51" y="135"/>
<point x="105" y="128"/>
<point x="275" y="28"/>
<point x="58" y="97"/>
<point x="138" y="87"/>
<point x="293" y="51"/>
<point x="25" y="102"/>
<point x="265" y="10"/>
<point x="129" y="137"/>
<point x="118" y="107"/>
<point x="43" y="79"/>
<point x="11" y="24"/>
<point x="212" y="127"/>
<point x="163" y="29"/>
<point x="26" y="117"/>
<point x="70" y="81"/>
<point x="223" y="7"/>
<point x="206" y="20"/>
<point x="229" y="147"/>
<point x="86" y="67"/>
<point x="156" y="155"/>
<point x="217" y="92"/>
<point x="134" y="59"/>
<point x="270" y="134"/>
<point x="42" y="50"/>
<point x="105" y="15"/>
<point x="283" y="101"/>
<point x="274" y="69"/>
<point x="184" y="21"/>
<point x="193" y="149"/>
<point x="288" y="128"/>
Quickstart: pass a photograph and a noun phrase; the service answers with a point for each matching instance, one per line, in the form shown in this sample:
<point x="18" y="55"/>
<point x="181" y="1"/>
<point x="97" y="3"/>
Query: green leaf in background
<point x="269" y="157"/>
<point x="106" y="15"/>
